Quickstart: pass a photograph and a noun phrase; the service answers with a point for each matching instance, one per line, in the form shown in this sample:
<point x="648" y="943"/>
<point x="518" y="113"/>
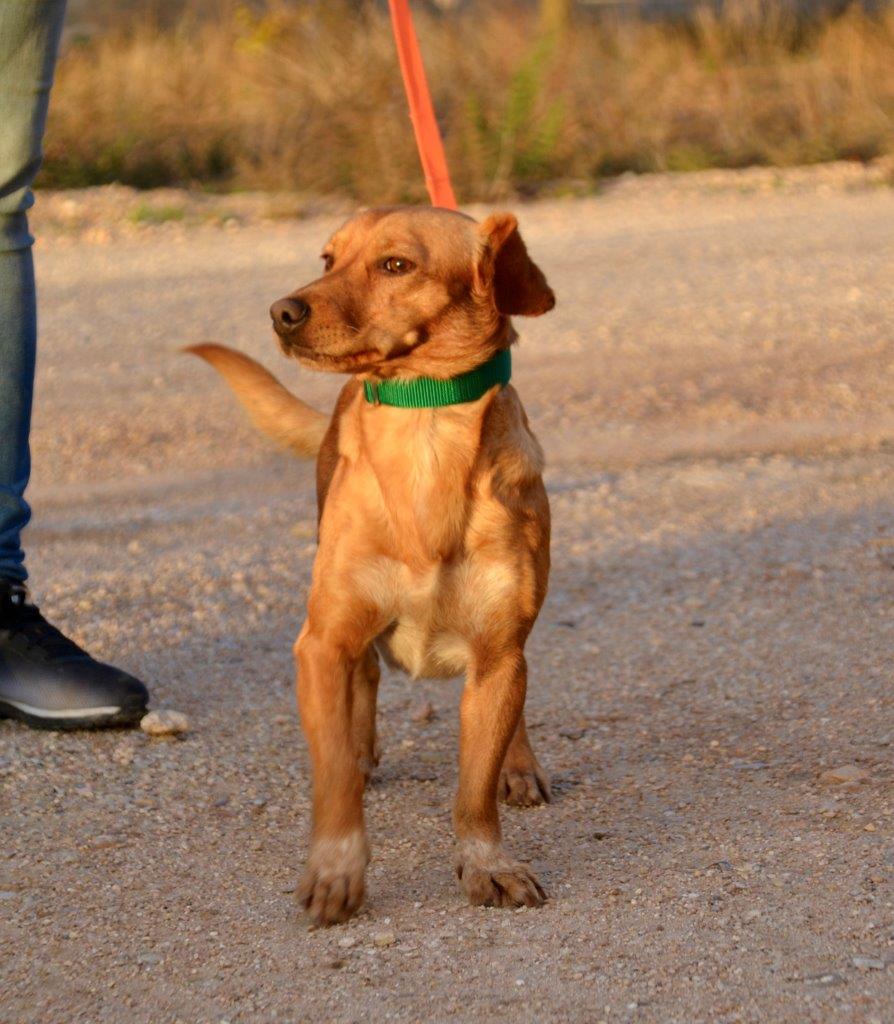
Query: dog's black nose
<point x="288" y="315"/>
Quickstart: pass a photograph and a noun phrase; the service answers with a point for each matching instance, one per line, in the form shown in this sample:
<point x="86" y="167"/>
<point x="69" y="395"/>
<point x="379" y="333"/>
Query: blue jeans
<point x="29" y="40"/>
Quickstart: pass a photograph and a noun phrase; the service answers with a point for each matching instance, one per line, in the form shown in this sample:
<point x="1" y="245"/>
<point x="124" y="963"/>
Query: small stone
<point x="382" y="940"/>
<point x="165" y="723"/>
<point x="829" y="978"/>
<point x="847" y="774"/>
<point x="750" y="916"/>
<point x="572" y="734"/>
<point x="433" y="757"/>
<point x="424" y="711"/>
<point x="868" y="963"/>
<point x="884" y="548"/>
<point x="347" y="942"/>
<point x="123" y="754"/>
<point x="741" y="765"/>
<point x="105" y="842"/>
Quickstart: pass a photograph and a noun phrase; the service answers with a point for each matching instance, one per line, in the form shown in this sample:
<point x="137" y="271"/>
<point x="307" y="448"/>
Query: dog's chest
<point x="417" y="465"/>
<point x="438" y="615"/>
<point x="436" y="580"/>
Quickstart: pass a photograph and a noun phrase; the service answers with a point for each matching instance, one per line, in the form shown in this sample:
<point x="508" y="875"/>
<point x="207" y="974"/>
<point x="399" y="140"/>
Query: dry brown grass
<point x="308" y="97"/>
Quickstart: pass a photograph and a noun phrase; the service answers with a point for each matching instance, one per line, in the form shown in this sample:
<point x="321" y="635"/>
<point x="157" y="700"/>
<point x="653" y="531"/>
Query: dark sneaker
<point x="46" y="680"/>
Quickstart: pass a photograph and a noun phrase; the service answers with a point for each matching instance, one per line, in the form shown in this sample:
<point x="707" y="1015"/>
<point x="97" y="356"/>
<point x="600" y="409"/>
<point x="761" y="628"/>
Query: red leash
<point x="425" y="127"/>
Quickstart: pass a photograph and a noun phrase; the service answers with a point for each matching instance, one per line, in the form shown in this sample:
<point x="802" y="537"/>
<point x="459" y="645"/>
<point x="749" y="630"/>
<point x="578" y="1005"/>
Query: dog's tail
<point x="275" y="411"/>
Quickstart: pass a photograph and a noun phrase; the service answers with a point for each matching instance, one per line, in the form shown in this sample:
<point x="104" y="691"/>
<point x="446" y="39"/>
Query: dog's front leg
<point x="333" y="883"/>
<point x="491" y="709"/>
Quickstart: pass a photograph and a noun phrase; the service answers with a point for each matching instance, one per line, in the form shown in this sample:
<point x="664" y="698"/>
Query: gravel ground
<point x="714" y="393"/>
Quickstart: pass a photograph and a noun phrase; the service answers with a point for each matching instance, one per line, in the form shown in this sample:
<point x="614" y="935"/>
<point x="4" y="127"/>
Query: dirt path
<point x="714" y="393"/>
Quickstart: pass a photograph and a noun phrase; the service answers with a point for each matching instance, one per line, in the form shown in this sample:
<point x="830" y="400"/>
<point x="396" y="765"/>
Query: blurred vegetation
<point x="308" y="97"/>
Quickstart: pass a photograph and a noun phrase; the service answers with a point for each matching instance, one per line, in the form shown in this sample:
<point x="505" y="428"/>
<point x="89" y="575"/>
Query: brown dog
<point x="434" y="525"/>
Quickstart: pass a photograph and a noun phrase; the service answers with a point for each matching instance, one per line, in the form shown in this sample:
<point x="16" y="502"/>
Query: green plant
<point x="145" y="213"/>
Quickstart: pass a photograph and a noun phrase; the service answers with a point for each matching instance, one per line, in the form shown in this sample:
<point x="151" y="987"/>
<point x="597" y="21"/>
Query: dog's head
<point x="412" y="291"/>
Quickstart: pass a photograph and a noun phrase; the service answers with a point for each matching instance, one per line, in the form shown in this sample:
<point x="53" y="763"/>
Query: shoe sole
<point x="89" y="718"/>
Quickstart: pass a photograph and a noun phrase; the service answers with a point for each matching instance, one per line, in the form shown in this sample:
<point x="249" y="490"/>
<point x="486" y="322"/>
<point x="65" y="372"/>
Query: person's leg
<point x="45" y="679"/>
<point x="17" y="344"/>
<point x="29" y="38"/>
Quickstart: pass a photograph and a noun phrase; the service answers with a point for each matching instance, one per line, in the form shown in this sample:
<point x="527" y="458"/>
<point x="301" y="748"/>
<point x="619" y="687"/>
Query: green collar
<point x="428" y="393"/>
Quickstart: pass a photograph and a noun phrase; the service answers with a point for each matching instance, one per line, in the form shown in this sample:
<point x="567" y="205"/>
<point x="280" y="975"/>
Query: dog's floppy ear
<point x="507" y="271"/>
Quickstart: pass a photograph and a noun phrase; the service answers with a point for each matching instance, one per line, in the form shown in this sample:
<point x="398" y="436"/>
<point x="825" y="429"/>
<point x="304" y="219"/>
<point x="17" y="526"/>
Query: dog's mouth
<point x="360" y="361"/>
<point x="353" y="362"/>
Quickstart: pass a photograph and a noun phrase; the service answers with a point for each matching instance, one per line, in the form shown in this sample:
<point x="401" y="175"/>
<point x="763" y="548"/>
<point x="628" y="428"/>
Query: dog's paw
<point x="524" y="787"/>
<point x="333" y="885"/>
<point x="490" y="878"/>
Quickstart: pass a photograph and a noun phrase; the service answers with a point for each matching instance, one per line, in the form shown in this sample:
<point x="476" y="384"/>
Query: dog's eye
<point x="397" y="265"/>
<point x="328" y="259"/>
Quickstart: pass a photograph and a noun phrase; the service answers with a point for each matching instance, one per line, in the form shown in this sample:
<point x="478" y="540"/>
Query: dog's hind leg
<point x="523" y="783"/>
<point x="365" y="685"/>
